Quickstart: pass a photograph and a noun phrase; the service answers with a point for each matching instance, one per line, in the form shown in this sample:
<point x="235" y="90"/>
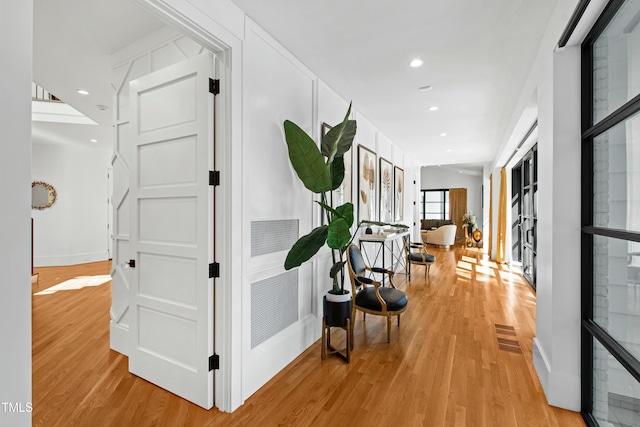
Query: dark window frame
<point x="590" y="330"/>
<point x="444" y="212"/>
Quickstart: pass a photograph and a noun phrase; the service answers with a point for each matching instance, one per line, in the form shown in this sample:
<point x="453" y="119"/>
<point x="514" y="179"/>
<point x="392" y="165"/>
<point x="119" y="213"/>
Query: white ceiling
<point x="72" y="45"/>
<point x="476" y="54"/>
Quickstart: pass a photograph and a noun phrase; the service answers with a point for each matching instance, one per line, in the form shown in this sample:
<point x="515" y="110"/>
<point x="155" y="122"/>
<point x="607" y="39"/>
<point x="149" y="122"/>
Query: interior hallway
<point x="462" y="356"/>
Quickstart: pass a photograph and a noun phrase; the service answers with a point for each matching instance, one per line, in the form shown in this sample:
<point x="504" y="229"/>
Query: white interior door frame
<point x="228" y="127"/>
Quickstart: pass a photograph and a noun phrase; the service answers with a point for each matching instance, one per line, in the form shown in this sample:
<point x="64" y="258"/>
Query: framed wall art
<point x="366" y="184"/>
<point x="342" y="194"/>
<point x="386" y="190"/>
<point x="398" y="194"/>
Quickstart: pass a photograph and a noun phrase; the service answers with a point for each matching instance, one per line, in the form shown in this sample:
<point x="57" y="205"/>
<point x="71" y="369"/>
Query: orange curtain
<point x="457" y="207"/>
<point x="490" y="214"/>
<point x="502" y="218"/>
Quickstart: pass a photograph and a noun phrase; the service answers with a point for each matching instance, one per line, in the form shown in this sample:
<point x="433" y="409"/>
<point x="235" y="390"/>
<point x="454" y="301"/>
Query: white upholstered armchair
<point x="443" y="236"/>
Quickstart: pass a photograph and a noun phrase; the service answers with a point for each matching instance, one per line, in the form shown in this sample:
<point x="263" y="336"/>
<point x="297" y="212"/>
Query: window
<point x="434" y="204"/>
<point x="611" y="217"/>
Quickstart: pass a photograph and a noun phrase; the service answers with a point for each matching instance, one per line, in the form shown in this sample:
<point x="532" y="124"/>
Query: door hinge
<point x="214" y="86"/>
<point x="214" y="362"/>
<point x="214" y="270"/>
<point x="214" y="177"/>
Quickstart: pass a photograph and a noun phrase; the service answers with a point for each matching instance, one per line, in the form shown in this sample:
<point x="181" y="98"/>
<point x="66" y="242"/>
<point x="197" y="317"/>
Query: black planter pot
<point x="336" y="313"/>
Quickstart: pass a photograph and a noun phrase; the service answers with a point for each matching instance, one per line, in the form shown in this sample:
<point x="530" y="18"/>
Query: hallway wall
<point x="73" y="230"/>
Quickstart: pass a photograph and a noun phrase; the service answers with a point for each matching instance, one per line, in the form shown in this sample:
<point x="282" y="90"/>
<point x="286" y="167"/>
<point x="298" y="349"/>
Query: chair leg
<point x="398" y="320"/>
<point x="351" y="324"/>
<point x="349" y="342"/>
<point x="388" y="329"/>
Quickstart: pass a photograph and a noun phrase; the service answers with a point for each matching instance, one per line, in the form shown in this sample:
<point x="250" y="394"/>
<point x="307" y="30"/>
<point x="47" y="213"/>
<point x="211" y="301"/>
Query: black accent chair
<point x="422" y="257"/>
<point x="370" y="296"/>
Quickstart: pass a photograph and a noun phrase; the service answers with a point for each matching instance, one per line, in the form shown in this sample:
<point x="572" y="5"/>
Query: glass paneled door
<point x="524" y="211"/>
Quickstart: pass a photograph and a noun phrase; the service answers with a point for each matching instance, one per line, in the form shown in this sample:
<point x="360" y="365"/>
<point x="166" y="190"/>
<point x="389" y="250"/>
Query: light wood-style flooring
<point x="461" y="357"/>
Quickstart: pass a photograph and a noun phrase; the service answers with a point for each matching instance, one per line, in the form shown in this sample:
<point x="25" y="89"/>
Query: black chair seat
<point x="421" y="257"/>
<point x="395" y="299"/>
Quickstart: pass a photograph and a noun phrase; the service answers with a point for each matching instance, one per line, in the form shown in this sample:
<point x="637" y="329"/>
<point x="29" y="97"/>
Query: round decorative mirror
<point x="43" y="195"/>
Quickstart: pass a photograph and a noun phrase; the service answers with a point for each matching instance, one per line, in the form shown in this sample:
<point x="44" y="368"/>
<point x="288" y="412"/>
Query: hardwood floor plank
<point x="443" y="366"/>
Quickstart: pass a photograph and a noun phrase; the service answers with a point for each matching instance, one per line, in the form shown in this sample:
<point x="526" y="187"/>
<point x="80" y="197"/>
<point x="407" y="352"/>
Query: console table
<point x="393" y="243"/>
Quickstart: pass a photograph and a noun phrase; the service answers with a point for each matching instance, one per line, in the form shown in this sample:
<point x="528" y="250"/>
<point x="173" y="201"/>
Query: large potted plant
<point x="321" y="170"/>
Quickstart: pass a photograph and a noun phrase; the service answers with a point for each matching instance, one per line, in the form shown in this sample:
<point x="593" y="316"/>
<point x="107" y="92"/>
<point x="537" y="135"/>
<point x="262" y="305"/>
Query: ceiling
<point x="72" y="45"/>
<point x="477" y="55"/>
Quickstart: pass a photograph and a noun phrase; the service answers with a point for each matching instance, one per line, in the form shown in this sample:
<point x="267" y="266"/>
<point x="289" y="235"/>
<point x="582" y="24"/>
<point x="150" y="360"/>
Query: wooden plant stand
<point x="336" y="315"/>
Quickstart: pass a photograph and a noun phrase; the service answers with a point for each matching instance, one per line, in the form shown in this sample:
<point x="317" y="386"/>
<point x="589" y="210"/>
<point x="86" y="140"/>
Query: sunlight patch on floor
<point x="469" y="259"/>
<point x="463" y="273"/>
<point x="485" y="270"/>
<point x="464" y="266"/>
<point x="488" y="263"/>
<point x="512" y="277"/>
<point x="76" y="283"/>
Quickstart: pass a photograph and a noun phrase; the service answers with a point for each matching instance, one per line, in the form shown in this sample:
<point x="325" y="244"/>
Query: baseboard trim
<point x="51" y="261"/>
<point x="541" y="366"/>
<point x="560" y="390"/>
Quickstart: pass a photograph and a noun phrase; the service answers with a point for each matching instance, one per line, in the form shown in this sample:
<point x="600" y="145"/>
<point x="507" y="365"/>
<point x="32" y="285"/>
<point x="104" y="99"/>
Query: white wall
<point x="276" y="87"/>
<point x="555" y="80"/>
<point x="15" y="193"/>
<point x="442" y="177"/>
<point x="73" y="230"/>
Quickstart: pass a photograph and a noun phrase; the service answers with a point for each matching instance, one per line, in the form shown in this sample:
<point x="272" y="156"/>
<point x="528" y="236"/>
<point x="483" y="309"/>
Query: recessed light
<point x="82" y="92"/>
<point x="443" y="134"/>
<point x="94" y="140"/>
<point x="449" y="150"/>
<point x="434" y="108"/>
<point x="425" y="88"/>
<point x="416" y="62"/>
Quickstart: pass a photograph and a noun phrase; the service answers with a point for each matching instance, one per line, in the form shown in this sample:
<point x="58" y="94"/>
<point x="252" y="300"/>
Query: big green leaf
<point x="306" y="159"/>
<point x="339" y="233"/>
<point x="306" y="247"/>
<point x="346" y="211"/>
<point x="337" y="172"/>
<point x="339" y="139"/>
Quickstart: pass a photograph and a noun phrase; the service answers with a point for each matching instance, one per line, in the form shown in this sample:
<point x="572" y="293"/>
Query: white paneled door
<point x="171" y="294"/>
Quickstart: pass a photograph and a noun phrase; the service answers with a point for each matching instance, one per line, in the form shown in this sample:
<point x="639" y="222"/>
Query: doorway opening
<point x="94" y="63"/>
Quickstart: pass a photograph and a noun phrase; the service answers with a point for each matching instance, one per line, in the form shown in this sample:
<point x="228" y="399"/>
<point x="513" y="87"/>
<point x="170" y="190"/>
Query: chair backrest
<point x="356" y="265"/>
<point x="356" y="261"/>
